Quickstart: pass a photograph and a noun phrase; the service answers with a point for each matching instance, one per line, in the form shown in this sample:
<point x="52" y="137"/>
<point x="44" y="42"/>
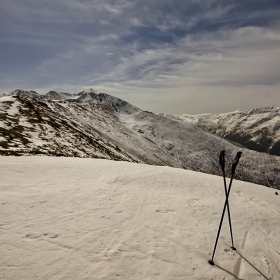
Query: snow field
<point x="73" y="218"/>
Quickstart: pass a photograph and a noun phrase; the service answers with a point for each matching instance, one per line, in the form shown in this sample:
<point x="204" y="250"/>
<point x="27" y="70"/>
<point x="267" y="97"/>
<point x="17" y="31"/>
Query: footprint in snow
<point x="164" y="210"/>
<point x="36" y="235"/>
<point x="32" y="235"/>
<point x="51" y="235"/>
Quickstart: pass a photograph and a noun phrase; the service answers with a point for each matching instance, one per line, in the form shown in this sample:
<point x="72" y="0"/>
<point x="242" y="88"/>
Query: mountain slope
<point x="30" y="126"/>
<point x="257" y="129"/>
<point x="100" y="125"/>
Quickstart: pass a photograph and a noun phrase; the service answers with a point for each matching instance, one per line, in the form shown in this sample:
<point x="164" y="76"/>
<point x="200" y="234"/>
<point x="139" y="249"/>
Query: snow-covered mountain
<point x="92" y="124"/>
<point x="257" y="129"/>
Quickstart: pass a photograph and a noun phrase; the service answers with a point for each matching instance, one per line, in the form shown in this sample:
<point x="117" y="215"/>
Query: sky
<point x="167" y="56"/>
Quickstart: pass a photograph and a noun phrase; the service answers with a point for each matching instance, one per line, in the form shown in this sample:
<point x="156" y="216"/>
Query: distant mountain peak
<point x="91" y="90"/>
<point x="28" y="93"/>
<point x="110" y="101"/>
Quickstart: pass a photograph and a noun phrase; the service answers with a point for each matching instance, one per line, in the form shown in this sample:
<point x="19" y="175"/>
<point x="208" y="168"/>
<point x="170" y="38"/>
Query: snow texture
<point x="73" y="218"/>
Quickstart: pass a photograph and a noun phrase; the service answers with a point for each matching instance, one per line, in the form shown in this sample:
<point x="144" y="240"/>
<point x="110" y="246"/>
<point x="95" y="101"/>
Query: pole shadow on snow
<point x="228" y="272"/>
<point x="236" y="277"/>
<point x="251" y="264"/>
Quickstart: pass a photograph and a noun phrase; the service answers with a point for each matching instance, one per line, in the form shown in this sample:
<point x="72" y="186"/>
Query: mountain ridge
<point x="106" y="127"/>
<point x="256" y="129"/>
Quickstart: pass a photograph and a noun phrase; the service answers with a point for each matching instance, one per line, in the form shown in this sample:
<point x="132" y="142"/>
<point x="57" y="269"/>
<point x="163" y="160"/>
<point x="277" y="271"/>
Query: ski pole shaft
<point x="228" y="211"/>
<point x="222" y="164"/>
<point x="235" y="162"/>
<point x="221" y="221"/>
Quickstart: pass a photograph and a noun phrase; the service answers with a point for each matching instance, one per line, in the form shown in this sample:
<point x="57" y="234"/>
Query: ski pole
<point x="234" y="164"/>
<point x="222" y="164"/>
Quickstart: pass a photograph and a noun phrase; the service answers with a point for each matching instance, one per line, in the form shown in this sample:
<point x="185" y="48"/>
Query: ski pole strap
<point x="235" y="162"/>
<point x="222" y="160"/>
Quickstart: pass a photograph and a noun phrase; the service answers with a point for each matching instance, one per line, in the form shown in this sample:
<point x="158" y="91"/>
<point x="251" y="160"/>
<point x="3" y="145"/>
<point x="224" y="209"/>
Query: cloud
<point x="176" y="51"/>
<point x="234" y="65"/>
<point x="247" y="55"/>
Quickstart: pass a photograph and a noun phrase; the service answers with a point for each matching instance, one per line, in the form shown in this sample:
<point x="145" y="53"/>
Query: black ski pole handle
<point x="222" y="160"/>
<point x="235" y="162"/>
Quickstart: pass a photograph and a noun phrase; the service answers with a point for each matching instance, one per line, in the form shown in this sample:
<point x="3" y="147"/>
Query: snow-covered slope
<point x="257" y="129"/>
<point x="100" y="125"/>
<point x="73" y="218"/>
<point x="29" y="126"/>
